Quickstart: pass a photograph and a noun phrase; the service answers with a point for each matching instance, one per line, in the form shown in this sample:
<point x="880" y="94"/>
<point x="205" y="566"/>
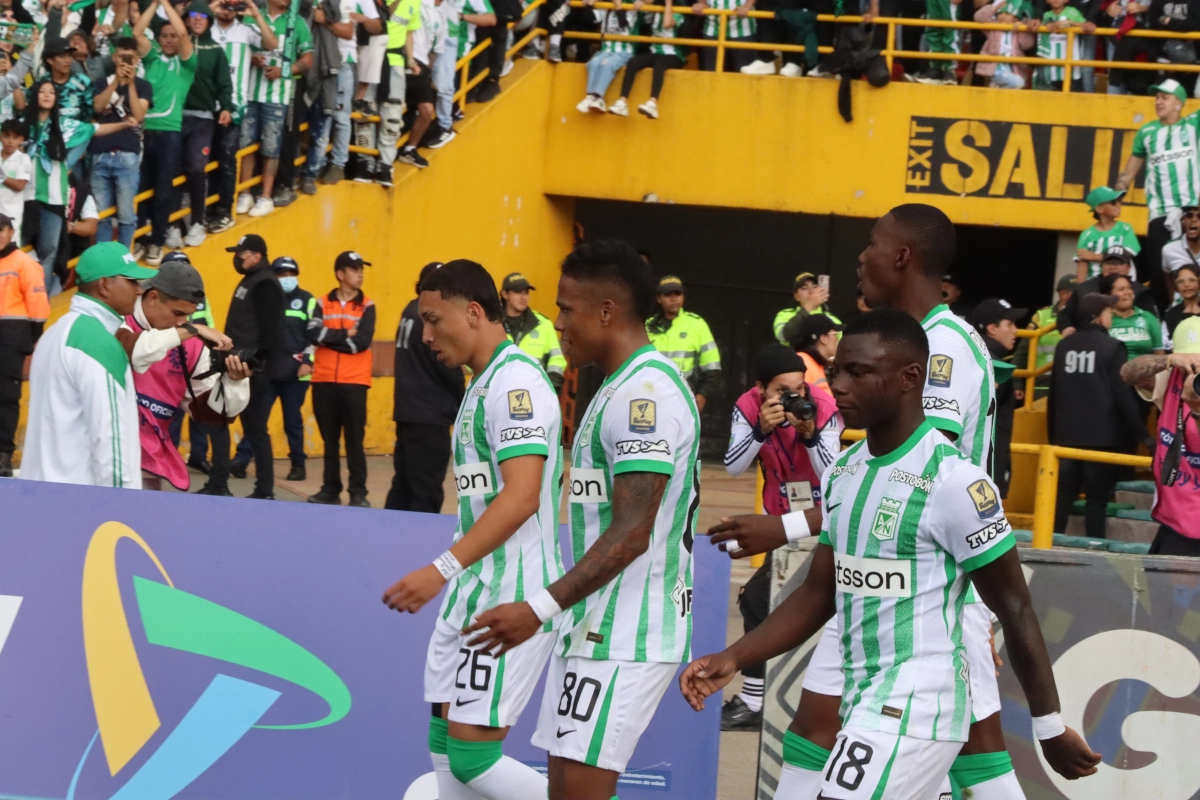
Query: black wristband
<point x="190" y="328"/>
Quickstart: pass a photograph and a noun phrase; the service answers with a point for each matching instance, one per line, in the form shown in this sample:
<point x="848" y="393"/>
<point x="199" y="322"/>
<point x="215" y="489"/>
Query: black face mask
<point x="238" y="261"/>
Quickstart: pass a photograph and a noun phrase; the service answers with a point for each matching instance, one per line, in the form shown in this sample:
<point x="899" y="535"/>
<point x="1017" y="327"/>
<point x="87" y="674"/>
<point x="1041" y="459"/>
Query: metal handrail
<point x="1031" y="372"/>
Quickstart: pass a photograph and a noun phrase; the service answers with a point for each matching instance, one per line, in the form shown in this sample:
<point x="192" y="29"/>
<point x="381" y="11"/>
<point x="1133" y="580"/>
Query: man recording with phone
<point x="178" y="367"/>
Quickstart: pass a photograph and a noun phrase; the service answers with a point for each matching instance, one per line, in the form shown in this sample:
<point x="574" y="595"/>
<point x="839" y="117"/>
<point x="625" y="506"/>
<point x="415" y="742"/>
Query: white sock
<point x="556" y="39"/>
<point x="752" y="693"/>
<point x="448" y="786"/>
<point x="798" y="784"/>
<point x="1006" y="787"/>
<point x="509" y="779"/>
<point x="945" y="791"/>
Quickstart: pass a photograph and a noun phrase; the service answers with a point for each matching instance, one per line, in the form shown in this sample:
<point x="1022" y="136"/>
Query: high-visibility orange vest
<point x="23" y="300"/>
<point x="335" y="365"/>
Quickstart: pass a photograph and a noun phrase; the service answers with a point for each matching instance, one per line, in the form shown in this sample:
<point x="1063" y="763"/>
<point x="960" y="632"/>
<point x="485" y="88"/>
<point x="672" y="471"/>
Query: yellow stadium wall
<point x="481" y="198"/>
<point x="986" y="157"/>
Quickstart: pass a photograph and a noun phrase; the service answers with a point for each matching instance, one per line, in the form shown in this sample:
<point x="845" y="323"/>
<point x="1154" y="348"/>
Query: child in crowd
<point x="1060" y="18"/>
<point x="602" y="68"/>
<point x="16" y="169"/>
<point x="1108" y="231"/>
<point x="661" y="58"/>
<point x="1012" y="43"/>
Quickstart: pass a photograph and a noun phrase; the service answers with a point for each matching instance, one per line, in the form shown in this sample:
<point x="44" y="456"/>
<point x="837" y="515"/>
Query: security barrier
<point x="1031" y="372"/>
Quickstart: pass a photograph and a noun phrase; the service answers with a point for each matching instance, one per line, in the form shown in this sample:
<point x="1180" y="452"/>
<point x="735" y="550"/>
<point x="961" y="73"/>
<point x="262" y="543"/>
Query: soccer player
<point x="635" y="484"/>
<point x="508" y="472"/>
<point x="910" y="250"/>
<point x="906" y="519"/>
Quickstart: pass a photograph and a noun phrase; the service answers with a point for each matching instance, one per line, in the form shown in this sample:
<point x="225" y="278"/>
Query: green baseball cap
<point x="109" y="260"/>
<point x="1101" y="195"/>
<point x="1170" y="86"/>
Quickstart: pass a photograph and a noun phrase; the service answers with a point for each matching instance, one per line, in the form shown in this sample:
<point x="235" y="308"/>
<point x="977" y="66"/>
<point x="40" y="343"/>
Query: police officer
<point x="529" y="330"/>
<point x="684" y="338"/>
<point x="1090" y="408"/>
<point x="1047" y="315"/>
<point x="810" y="298"/>
<point x="290" y="370"/>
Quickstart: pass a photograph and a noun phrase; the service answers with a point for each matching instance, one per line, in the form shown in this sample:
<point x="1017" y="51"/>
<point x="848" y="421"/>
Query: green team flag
<point x="81" y="4"/>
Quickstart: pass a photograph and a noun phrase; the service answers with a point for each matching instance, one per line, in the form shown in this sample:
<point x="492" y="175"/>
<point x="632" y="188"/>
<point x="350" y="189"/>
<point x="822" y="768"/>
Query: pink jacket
<point x="1019" y="42"/>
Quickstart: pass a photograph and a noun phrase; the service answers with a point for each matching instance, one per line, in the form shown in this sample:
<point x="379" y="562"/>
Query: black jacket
<point x="255" y="318"/>
<point x="1142" y="298"/>
<point x="1090" y="406"/>
<point x="212" y="89"/>
<point x="1006" y="405"/>
<point x="427" y="391"/>
<point x="299" y="310"/>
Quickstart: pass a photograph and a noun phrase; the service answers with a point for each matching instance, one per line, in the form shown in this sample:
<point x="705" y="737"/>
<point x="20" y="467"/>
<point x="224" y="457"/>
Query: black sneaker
<point x="457" y="114"/>
<point x="409" y="155"/>
<point x="359" y="501"/>
<point x="737" y="716"/>
<point x="326" y="497"/>
<point x="237" y="470"/>
<point x="203" y="465"/>
<point x="440" y="138"/>
<point x="284" y="196"/>
<point x="359" y="170"/>
<point x="383" y="175"/>
<point x="486" y="92"/>
<point x="298" y="473"/>
<point x="6" y="468"/>
<point x="216" y="491"/>
<point x="257" y="495"/>
<point x="308" y="185"/>
<point x="223" y="222"/>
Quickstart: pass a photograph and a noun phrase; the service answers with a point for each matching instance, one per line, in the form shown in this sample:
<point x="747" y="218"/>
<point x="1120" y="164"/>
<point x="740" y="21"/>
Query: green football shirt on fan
<point x="1141" y="332"/>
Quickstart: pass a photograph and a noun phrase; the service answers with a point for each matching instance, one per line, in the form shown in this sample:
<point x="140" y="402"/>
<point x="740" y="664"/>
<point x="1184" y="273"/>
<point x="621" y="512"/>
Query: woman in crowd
<point x="661" y="58"/>
<point x="1187" y="286"/>
<point x="602" y="68"/>
<point x="1136" y="327"/>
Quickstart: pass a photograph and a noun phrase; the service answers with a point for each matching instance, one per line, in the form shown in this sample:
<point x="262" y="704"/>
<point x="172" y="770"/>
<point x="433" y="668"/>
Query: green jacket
<point x="535" y="334"/>
<point x="212" y="90"/>
<point x="688" y="342"/>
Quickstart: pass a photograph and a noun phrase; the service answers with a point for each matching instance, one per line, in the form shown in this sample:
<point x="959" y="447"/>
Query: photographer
<point x="1169" y="381"/>
<point x="173" y="370"/>
<point x="793" y="431"/>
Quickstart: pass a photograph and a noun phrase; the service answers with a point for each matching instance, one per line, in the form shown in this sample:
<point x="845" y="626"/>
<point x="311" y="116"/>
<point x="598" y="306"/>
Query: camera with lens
<point x="802" y="408"/>
<point x="254" y="358"/>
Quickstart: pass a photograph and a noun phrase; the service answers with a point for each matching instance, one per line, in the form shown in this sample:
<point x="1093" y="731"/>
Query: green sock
<point x="437" y="735"/>
<point x="469" y="760"/>
<point x="800" y="752"/>
<point x="967" y="771"/>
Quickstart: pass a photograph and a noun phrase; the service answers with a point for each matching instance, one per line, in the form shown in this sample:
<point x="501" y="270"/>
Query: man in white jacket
<point x="83" y="417"/>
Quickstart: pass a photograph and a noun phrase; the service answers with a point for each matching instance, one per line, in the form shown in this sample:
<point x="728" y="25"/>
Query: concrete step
<point x="1117" y="529"/>
<point x="1136" y="499"/>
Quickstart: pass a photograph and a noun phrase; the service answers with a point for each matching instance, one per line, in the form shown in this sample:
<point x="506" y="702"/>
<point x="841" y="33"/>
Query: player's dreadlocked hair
<point x="615" y="262"/>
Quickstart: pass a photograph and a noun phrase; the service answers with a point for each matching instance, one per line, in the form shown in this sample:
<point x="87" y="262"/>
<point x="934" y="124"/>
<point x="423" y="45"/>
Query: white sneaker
<point x="759" y="68"/>
<point x="820" y="73"/>
<point x="649" y="108"/>
<point x="507" y="68"/>
<point x="154" y="255"/>
<point x="791" y="71"/>
<point x="585" y="105"/>
<point x="245" y="202"/>
<point x="599" y="105"/>
<point x="174" y="239"/>
<point x="620" y="108"/>
<point x="262" y="207"/>
<point x="195" y="235"/>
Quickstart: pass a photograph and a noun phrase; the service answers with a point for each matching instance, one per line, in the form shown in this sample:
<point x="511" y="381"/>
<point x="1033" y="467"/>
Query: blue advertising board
<point x="157" y="646"/>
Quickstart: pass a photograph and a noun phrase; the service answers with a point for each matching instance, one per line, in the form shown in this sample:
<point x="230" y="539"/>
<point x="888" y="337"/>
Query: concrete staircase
<point x="1128" y="515"/>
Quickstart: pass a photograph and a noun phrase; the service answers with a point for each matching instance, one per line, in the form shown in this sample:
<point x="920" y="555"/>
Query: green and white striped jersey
<point x="655" y="24"/>
<point x="280" y="90"/>
<point x="1172" y="172"/>
<point x="960" y="386"/>
<point x="620" y="23"/>
<point x="643" y="419"/>
<point x="239" y="40"/>
<point x="905" y="528"/>
<point x="1097" y="241"/>
<point x="739" y="27"/>
<point x="462" y="30"/>
<point x="1054" y="45"/>
<point x="510" y="409"/>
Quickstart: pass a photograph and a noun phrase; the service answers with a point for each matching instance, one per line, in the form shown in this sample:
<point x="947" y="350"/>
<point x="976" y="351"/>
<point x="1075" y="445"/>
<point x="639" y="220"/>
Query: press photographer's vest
<point x="160" y="393"/>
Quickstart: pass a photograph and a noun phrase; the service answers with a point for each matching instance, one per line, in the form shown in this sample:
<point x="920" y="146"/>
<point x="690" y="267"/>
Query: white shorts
<point x="370" y="59"/>
<point x="824" y="674"/>
<point x="873" y="765"/>
<point x="594" y="712"/>
<point x="977" y="637"/>
<point x="482" y="690"/>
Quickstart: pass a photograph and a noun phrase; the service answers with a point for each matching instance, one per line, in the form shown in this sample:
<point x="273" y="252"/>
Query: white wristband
<point x="544" y="605"/>
<point x="1048" y="727"/>
<point x="448" y="565"/>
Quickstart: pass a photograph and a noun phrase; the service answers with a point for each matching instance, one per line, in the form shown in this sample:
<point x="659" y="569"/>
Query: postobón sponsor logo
<point x="986" y="534"/>
<point x="588" y="486"/>
<point x="227" y="710"/>
<point x="473" y="479"/>
<point x="915" y="481"/>
<point x="630" y="447"/>
<point x="840" y="469"/>
<point x="872" y="577"/>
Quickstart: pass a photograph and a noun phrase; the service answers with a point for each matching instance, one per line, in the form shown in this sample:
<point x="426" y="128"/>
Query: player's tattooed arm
<point x="1001" y="586"/>
<point x="635" y="500"/>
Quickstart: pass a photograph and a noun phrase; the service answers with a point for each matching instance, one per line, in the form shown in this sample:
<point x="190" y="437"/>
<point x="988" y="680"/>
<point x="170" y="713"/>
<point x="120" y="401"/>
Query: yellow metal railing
<point x="1031" y="372"/>
<point x="721" y="43"/>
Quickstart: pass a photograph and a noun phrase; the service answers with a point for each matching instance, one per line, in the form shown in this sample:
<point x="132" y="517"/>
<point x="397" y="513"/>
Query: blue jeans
<point x="50" y="226"/>
<point x="602" y="68"/>
<point x="341" y="117"/>
<point x="264" y="122"/>
<point x="1006" y="77"/>
<point x="115" y="183"/>
<point x="443" y="81"/>
<point x="319" y="138"/>
<point x="161" y="164"/>
<point x="291" y="399"/>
